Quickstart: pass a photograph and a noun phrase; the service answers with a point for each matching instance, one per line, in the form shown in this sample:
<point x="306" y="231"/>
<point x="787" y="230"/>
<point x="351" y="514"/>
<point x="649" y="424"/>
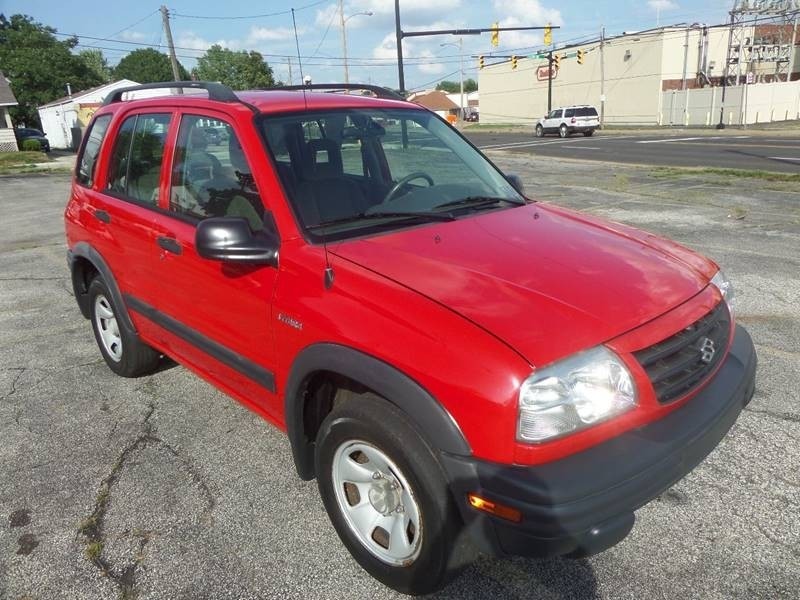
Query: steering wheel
<point x="404" y="180"/>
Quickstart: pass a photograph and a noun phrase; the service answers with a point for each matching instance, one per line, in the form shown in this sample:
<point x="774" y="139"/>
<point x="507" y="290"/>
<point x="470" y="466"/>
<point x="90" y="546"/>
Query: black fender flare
<point x="85" y="251"/>
<point x="432" y="420"/>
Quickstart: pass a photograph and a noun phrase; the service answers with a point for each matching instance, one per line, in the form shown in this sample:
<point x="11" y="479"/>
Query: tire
<point x="563" y="131"/>
<point x="539" y="131"/>
<point x="404" y="532"/>
<point x="588" y="133"/>
<point x="123" y="351"/>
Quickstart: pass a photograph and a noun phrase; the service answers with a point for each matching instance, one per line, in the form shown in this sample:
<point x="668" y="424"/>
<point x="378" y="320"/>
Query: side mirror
<point x="230" y="239"/>
<point x="516" y="183"/>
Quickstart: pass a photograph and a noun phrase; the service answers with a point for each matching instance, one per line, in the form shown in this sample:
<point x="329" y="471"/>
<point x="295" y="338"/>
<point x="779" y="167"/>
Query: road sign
<point x="543" y="73"/>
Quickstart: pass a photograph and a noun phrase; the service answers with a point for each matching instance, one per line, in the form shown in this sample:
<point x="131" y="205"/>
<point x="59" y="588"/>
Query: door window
<point x="87" y="162"/>
<point x="136" y="161"/>
<point x="213" y="179"/>
<point x="570" y="112"/>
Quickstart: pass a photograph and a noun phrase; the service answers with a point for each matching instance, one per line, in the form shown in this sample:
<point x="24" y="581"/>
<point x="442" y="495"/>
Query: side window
<point x="212" y="180"/>
<point x="138" y="154"/>
<point x="87" y="161"/>
<point x="570" y="112"/>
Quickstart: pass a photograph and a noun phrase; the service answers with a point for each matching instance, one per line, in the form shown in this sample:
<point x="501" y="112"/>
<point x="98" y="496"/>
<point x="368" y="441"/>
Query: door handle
<point x="103" y="216"/>
<point x="169" y="244"/>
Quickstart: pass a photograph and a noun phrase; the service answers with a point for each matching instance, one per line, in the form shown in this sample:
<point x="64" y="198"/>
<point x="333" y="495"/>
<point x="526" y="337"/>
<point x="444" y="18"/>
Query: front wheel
<point x="539" y="131"/>
<point x="386" y="495"/>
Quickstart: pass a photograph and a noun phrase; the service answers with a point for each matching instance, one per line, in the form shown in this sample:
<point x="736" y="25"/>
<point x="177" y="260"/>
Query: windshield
<point x="350" y="170"/>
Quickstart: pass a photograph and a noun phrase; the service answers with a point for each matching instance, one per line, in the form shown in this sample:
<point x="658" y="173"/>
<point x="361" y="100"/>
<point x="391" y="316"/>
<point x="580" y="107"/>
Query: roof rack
<point x="379" y="91"/>
<point x="216" y="91"/>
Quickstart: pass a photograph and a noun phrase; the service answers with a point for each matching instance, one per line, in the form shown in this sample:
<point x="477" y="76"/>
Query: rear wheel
<point x="386" y="495"/>
<point x="539" y="131"/>
<point x="123" y="351"/>
<point x="588" y="133"/>
<point x="563" y="131"/>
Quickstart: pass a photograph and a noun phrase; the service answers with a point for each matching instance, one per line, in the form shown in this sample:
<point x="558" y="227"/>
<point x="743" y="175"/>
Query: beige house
<point x="640" y="73"/>
<point x="8" y="142"/>
<point x="437" y="101"/>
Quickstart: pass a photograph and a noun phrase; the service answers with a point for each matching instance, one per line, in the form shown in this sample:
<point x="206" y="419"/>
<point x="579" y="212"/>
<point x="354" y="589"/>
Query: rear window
<point x="87" y="161"/>
<point x="570" y="112"/>
<point x="586" y="111"/>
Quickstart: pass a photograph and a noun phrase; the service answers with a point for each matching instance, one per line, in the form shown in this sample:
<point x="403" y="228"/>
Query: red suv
<point x="459" y="366"/>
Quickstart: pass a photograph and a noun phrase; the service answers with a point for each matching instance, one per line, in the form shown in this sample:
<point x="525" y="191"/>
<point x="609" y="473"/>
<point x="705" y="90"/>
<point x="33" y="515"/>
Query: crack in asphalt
<point x="92" y="528"/>
<point x="775" y="415"/>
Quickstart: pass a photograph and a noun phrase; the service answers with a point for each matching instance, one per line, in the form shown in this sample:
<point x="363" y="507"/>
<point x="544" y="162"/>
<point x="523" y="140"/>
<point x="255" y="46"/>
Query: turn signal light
<point x="493" y="508"/>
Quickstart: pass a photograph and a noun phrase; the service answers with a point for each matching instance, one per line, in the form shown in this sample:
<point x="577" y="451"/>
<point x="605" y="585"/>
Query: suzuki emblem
<point x="707" y="350"/>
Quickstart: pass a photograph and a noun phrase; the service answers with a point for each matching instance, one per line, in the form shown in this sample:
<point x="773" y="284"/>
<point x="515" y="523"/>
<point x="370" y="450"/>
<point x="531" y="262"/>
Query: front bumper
<point x="584" y="503"/>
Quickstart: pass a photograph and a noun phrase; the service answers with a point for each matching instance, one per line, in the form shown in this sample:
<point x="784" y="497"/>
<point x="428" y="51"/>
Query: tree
<point x="39" y="66"/>
<point x="96" y="62"/>
<point x="147" y="65"/>
<point x="238" y="70"/>
<point x="454" y="87"/>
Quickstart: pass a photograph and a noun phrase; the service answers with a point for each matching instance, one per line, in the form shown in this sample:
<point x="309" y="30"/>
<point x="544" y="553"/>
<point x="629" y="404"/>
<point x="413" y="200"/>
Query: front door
<point x="216" y="316"/>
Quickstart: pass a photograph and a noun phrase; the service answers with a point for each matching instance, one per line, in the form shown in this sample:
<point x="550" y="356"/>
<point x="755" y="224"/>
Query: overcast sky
<point x="267" y="27"/>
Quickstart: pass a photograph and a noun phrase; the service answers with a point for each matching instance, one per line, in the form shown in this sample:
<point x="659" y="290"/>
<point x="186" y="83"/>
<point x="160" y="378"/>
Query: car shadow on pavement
<point x="523" y="578"/>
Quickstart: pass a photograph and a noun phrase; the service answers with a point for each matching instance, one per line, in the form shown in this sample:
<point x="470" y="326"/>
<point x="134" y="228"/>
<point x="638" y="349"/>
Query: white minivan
<point x="569" y="120"/>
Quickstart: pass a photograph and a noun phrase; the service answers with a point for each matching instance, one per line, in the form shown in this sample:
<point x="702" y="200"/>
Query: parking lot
<point x="163" y="487"/>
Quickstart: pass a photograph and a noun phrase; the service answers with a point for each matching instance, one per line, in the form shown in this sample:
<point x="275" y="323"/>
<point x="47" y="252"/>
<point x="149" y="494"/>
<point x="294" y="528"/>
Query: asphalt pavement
<point x="733" y="150"/>
<point x="162" y="487"/>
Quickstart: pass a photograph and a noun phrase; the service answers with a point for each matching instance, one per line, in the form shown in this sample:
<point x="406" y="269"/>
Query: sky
<point x="119" y="27"/>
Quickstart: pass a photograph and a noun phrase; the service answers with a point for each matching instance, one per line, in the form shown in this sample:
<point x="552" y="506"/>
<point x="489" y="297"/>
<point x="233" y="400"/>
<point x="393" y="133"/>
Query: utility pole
<point x="289" y="62"/>
<point x="399" y="35"/>
<point x="602" y="76"/>
<point x="176" y="74"/>
<point x="344" y="41"/>
<point x="549" y="81"/>
<point x="461" y="69"/>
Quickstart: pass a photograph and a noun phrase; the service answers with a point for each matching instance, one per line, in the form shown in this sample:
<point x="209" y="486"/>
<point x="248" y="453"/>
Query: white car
<point x="568" y="120"/>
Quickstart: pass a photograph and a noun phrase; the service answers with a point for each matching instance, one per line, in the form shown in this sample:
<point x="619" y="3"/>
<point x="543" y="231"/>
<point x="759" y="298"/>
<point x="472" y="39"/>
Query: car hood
<point x="546" y="281"/>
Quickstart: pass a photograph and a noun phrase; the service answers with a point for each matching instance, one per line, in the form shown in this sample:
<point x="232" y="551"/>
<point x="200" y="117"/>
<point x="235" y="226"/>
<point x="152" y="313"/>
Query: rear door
<point x="214" y="316"/>
<point x="125" y="204"/>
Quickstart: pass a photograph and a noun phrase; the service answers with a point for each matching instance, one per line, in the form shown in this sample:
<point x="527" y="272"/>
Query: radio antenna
<point x="299" y="60"/>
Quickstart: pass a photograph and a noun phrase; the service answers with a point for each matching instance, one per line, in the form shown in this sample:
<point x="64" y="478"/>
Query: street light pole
<point x="460" y="46"/>
<point x="344" y="20"/>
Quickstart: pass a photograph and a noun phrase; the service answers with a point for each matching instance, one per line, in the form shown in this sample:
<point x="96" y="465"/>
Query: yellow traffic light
<point x="513" y="62"/>
<point x="480" y="61"/>
<point x="548" y="35"/>
<point x="581" y="55"/>
<point x="495" y="34"/>
<point x="556" y="61"/>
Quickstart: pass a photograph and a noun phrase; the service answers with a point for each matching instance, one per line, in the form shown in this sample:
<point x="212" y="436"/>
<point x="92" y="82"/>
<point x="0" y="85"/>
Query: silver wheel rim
<point x="107" y="327"/>
<point x="377" y="503"/>
<point x="563" y="131"/>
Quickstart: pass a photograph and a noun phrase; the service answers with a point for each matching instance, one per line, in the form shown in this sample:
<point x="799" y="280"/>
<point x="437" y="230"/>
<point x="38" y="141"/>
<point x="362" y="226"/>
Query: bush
<point x="31" y="146"/>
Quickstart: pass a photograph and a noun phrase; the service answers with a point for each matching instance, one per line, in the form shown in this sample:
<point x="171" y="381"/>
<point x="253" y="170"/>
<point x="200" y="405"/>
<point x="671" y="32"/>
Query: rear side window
<point x="587" y="111"/>
<point x="570" y="112"/>
<point x="138" y="153"/>
<point x="87" y="162"/>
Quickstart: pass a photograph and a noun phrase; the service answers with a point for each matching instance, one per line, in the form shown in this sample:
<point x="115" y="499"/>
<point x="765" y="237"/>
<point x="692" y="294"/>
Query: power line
<point x="134" y="24"/>
<point x="261" y="16"/>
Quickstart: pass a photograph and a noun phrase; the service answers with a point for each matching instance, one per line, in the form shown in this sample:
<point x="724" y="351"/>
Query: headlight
<point x="573" y="394"/>
<point x="725" y="288"/>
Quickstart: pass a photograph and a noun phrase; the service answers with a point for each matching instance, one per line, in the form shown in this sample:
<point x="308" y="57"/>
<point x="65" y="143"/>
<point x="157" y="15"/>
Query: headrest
<point x="325" y="159"/>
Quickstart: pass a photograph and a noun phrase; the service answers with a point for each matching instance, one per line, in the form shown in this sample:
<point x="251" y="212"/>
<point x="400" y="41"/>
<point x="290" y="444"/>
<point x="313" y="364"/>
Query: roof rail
<point x="379" y="91"/>
<point x="216" y="91"/>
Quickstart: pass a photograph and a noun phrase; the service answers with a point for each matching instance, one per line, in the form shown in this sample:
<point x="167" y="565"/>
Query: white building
<point x="65" y="119"/>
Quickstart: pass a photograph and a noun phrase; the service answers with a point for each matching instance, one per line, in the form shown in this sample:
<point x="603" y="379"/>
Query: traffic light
<point x="556" y="61"/>
<point x="548" y="35"/>
<point x="480" y="61"/>
<point x="513" y="62"/>
<point x="581" y="55"/>
<point x="495" y="34"/>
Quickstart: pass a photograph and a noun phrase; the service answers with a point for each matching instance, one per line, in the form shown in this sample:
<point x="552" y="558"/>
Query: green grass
<point x="666" y="172"/>
<point x="94" y="550"/>
<point x="19" y="159"/>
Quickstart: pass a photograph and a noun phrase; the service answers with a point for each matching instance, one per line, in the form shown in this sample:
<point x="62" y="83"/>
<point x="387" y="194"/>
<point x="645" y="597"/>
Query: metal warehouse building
<point x="664" y="76"/>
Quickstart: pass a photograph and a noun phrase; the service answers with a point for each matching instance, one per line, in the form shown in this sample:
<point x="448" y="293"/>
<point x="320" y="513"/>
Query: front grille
<point x="680" y="363"/>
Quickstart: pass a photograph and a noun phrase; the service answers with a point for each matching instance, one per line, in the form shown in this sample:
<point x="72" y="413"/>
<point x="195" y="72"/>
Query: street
<point x="193" y="496"/>
<point x="733" y="150"/>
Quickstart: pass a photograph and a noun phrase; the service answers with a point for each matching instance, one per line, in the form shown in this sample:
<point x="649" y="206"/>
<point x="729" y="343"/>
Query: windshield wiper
<point x="478" y="202"/>
<point x="427" y="216"/>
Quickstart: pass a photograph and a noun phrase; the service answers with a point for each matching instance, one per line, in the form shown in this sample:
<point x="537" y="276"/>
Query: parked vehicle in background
<point x="472" y="116"/>
<point x="460" y="367"/>
<point x="29" y="133"/>
<point x="568" y="120"/>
